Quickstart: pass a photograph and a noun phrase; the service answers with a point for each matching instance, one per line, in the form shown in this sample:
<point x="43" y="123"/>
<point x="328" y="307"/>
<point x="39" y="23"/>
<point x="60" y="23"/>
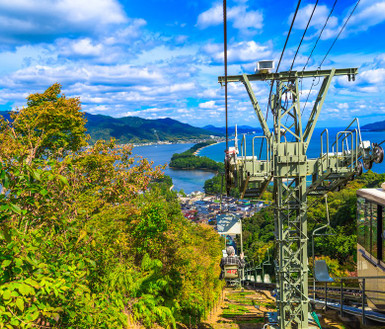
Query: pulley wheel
<point x="359" y="168"/>
<point x="378" y="153"/>
<point x="368" y="164"/>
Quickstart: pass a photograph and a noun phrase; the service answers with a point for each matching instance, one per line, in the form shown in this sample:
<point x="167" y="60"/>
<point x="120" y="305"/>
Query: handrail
<point x="358" y="130"/>
<point x="337" y="140"/>
<point x="243" y="148"/>
<point x="267" y="152"/>
<point x="358" y="127"/>
<point x="327" y="148"/>
<point x="360" y="277"/>
<point x="360" y="291"/>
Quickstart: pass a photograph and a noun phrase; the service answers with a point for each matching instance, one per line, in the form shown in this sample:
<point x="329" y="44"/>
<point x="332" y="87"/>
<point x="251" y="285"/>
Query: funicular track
<point x="252" y="306"/>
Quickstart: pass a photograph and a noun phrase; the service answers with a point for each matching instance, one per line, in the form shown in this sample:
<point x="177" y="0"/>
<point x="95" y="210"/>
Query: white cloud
<point x="245" y="51"/>
<point x="207" y="105"/>
<point x="93" y="74"/>
<point x="37" y="20"/>
<point x="83" y="47"/>
<point x="125" y="35"/>
<point x="213" y="16"/>
<point x="241" y="16"/>
<point x="370" y="13"/>
<point x="373" y="76"/>
<point x="318" y="20"/>
<point x="367" y="14"/>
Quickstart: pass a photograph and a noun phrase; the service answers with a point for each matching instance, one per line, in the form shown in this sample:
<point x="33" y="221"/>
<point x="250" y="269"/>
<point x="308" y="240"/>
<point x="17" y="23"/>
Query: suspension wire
<point x="299" y="46"/>
<point x="319" y="36"/>
<point x="225" y="64"/>
<point x="330" y="48"/>
<point x="312" y="51"/>
<point x="282" y="53"/>
<point x="303" y="35"/>
<point x="226" y="112"/>
<point x="339" y="33"/>
<point x="279" y="63"/>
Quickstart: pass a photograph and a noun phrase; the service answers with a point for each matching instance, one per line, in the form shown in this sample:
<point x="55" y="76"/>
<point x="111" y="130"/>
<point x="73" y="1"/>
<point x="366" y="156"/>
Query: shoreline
<point x="201" y="148"/>
<point x="191" y="141"/>
<point x="199" y="169"/>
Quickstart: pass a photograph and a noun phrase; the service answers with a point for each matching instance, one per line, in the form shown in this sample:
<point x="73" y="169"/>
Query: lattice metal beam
<point x="288" y="166"/>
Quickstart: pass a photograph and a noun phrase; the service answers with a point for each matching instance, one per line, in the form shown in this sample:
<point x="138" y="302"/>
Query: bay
<point x="186" y="180"/>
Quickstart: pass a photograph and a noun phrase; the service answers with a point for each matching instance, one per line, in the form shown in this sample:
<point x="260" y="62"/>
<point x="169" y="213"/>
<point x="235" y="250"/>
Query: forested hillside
<point x="338" y="248"/>
<point x="91" y="237"/>
<point x="188" y="160"/>
<point x="376" y="126"/>
<point x="137" y="130"/>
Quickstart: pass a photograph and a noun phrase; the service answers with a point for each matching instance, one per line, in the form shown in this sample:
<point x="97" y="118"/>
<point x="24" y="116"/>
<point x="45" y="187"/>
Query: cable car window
<point x="373" y="223"/>
<point x="365" y="224"/>
<point x="361" y="221"/>
<point x="383" y="234"/>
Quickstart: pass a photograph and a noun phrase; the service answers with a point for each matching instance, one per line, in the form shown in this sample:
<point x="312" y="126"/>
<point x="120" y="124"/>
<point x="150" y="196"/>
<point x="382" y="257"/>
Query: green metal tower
<point x="295" y="176"/>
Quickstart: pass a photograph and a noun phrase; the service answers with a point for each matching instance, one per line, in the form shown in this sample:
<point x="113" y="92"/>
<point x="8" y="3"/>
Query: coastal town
<point x="201" y="208"/>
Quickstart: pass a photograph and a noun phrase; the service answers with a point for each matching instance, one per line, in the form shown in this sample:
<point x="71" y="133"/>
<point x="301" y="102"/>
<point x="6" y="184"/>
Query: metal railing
<point x="350" y="295"/>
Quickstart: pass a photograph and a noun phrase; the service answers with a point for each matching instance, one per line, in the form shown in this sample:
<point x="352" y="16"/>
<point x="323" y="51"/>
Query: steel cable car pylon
<point x="287" y="165"/>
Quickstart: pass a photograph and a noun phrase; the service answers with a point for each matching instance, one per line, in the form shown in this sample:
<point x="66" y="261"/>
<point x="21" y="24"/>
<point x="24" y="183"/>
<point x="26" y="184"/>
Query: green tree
<point x="94" y="240"/>
<point x="50" y="124"/>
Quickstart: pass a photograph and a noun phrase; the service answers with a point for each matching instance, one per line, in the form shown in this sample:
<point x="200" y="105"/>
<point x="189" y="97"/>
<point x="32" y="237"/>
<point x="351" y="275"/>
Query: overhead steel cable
<point x="226" y="112"/>
<point x="319" y="36"/>
<point x="299" y="46"/>
<point x="339" y="33"/>
<point x="312" y="51"/>
<point x="225" y="64"/>
<point x="303" y="35"/>
<point x="279" y="63"/>
<point x="282" y="53"/>
<point x="330" y="48"/>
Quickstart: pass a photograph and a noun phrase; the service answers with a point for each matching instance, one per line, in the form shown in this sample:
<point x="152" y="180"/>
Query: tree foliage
<point x="93" y="239"/>
<point x="338" y="247"/>
<point x="50" y="123"/>
<point x="188" y="160"/>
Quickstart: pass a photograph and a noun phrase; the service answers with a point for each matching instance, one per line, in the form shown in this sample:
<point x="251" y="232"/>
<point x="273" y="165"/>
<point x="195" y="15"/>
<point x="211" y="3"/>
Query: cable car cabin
<point x="371" y="243"/>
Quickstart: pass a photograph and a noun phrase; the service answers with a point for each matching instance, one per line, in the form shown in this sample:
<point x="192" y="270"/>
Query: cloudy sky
<point x="161" y="58"/>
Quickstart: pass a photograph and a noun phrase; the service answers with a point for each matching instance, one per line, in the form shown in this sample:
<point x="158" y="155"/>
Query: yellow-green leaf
<point x="15" y="208"/>
<point x="6" y="263"/>
<point x="7" y="294"/>
<point x="63" y="179"/>
<point x="20" y="304"/>
<point x="81" y="235"/>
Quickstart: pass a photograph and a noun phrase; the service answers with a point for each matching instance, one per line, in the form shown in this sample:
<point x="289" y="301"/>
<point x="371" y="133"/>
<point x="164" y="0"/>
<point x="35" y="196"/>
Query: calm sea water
<point x="193" y="180"/>
<point x="186" y="180"/>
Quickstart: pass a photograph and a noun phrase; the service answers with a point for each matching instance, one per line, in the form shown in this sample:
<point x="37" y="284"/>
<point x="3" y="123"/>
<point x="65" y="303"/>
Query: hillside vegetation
<point x="376" y="126"/>
<point x="338" y="249"/>
<point x="92" y="237"/>
<point x="137" y="130"/>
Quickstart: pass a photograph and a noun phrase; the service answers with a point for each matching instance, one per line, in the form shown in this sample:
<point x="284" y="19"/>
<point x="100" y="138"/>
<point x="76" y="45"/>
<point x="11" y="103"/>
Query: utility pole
<point x="287" y="166"/>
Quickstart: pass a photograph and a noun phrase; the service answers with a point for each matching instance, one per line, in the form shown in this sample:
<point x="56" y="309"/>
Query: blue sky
<point x="159" y="58"/>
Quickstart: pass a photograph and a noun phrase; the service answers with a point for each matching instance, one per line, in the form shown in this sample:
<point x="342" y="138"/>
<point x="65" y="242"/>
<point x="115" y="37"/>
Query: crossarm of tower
<point x="288" y="75"/>
<point x="256" y="106"/>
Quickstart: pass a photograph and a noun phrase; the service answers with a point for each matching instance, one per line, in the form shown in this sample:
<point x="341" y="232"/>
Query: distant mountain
<point x="376" y="126"/>
<point x="135" y="129"/>
<point x="138" y="130"/>
<point x="6" y="115"/>
<point x="240" y="129"/>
